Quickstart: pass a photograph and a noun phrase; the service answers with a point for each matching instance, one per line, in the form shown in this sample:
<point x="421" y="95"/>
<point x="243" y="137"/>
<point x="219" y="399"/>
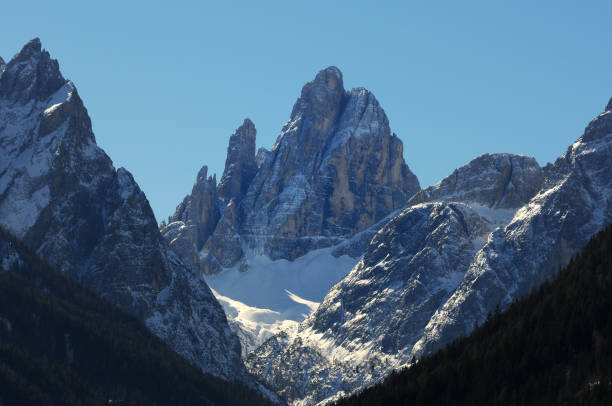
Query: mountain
<point x="62" y="344"/>
<point x="483" y="237"/>
<point x="551" y="347"/>
<point x="61" y="195"/>
<point x="335" y="170"/>
<point x="574" y="203"/>
<point x="293" y="217"/>
<point x="367" y="324"/>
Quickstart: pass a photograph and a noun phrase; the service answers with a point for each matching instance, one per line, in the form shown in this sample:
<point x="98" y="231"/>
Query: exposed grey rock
<point x="427" y="278"/>
<point x="494" y="180"/>
<point x="335" y="170"/>
<point x="60" y="193"/>
<point x="262" y="155"/>
<point x="368" y="323"/>
<point x="240" y="164"/>
<point x="224" y="248"/>
<point x="203" y="229"/>
<point x="24" y="81"/>
<point x="365" y="323"/>
<point x="194" y="220"/>
<point x="574" y="203"/>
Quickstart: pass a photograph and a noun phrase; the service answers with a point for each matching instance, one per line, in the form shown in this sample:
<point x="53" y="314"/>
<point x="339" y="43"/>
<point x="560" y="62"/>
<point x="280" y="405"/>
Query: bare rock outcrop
<point x="335" y="170"/>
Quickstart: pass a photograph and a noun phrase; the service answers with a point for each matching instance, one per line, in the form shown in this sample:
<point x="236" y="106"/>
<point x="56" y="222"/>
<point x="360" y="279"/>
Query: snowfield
<point x="276" y="295"/>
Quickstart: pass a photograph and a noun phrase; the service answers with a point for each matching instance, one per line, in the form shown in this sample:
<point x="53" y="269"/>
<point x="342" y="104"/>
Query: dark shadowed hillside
<point x="61" y="344"/>
<point x="552" y="347"/>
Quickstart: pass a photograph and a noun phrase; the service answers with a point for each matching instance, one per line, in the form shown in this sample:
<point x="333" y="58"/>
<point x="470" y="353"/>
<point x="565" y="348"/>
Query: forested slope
<point x="61" y="344"/>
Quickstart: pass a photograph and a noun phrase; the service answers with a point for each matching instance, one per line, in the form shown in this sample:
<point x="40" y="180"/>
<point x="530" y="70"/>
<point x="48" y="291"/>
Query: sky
<point x="166" y="85"/>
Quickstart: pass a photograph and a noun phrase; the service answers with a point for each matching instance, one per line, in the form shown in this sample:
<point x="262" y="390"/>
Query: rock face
<point x="61" y="195"/>
<point x="497" y="181"/>
<point x="194" y="220"/>
<point x="479" y="239"/>
<point x="574" y="203"/>
<point x="368" y="323"/>
<point x="240" y="164"/>
<point x="206" y="221"/>
<point x="335" y="170"/>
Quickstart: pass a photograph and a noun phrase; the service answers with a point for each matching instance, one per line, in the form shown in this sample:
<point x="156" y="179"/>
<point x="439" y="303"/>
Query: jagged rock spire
<point x="199" y="210"/>
<point x="609" y="105"/>
<point x="31" y="74"/>
<point x="314" y="113"/>
<point x="240" y="164"/>
<point x="334" y="170"/>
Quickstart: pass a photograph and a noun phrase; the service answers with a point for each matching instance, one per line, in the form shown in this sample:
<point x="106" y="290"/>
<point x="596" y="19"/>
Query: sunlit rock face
<point x="335" y="170"/>
<point x="482" y="237"/>
<point x="61" y="195"/>
<point x="368" y="323"/>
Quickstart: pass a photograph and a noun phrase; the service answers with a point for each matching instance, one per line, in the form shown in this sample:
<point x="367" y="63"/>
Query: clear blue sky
<point x="166" y="85"/>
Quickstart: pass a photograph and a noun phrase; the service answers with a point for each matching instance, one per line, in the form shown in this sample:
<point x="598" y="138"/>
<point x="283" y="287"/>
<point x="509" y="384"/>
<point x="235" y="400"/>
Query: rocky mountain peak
<point x="487" y="234"/>
<point x="330" y="77"/>
<point x="498" y="181"/>
<point x="574" y="203"/>
<point x="33" y="47"/>
<point x="318" y="106"/>
<point x="247" y="128"/>
<point x="61" y="195"/>
<point x="199" y="211"/>
<point x="31" y="74"/>
<point x="600" y="127"/>
<point x="334" y="170"/>
<point x="203" y="177"/>
<point x="240" y="164"/>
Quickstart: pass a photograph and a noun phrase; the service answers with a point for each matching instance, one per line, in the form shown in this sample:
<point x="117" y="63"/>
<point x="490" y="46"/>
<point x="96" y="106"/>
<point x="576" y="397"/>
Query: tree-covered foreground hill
<point x="553" y="347"/>
<point x="61" y="344"/>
